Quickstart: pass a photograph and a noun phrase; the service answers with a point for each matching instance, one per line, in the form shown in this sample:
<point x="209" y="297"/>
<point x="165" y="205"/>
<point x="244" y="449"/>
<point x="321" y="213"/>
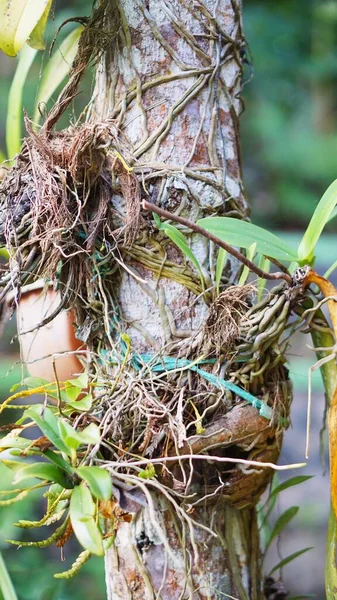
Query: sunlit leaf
<point x="317" y="223"/>
<point x="35" y="39"/>
<point x="84" y="403"/>
<point x="57" y="69"/>
<point x="288" y="559"/>
<point x="19" y="19"/>
<point x="82" y="513"/>
<point x="99" y="481"/>
<point x="281" y="523"/>
<point x="15" y="108"/>
<point x="243" y="234"/>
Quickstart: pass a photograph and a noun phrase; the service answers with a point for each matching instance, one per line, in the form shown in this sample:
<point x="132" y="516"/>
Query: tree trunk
<point x="170" y="83"/>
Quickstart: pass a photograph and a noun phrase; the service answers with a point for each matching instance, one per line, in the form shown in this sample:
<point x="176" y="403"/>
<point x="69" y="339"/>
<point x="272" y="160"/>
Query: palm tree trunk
<point x="170" y="84"/>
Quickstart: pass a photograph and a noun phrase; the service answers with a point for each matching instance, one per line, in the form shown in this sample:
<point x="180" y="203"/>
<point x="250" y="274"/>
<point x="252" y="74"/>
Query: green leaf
<point x="81" y="381"/>
<point x="281" y="523"/>
<point x="57" y="69"/>
<point x="14" y="109"/>
<point x="48" y="424"/>
<point x="289" y="483"/>
<point x="317" y="223"/>
<point x="84" y="404"/>
<point x="6" y="586"/>
<point x="264" y="264"/>
<point x="288" y="559"/>
<point x="245" y="271"/>
<point x="243" y="234"/>
<point x="14" y="442"/>
<point x="82" y="513"/>
<point x="99" y="481"/>
<point x="220" y="265"/>
<point x="179" y="240"/>
<point x="149" y="472"/>
<point x="43" y="471"/>
<point x="19" y="19"/>
<point x="73" y="438"/>
<point x="58" y="461"/>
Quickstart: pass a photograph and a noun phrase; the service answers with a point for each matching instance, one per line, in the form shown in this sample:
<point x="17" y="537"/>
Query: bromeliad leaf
<point x="318" y="221"/>
<point x="243" y="234"/>
<point x="281" y="523"/>
<point x="99" y="481"/>
<point x="82" y="513"/>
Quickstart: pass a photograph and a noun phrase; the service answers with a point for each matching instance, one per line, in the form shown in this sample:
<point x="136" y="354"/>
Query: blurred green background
<point x="289" y="147"/>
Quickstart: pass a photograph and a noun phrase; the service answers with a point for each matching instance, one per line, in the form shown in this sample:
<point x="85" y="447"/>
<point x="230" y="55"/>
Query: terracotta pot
<point x="58" y="336"/>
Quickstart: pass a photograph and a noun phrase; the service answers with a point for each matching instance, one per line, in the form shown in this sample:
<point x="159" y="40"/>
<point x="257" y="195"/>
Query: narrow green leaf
<point x="43" y="471"/>
<point x="288" y="559"/>
<point x="330" y="270"/>
<point x="14" y="109"/>
<point x="99" y="481"/>
<point x="243" y="234"/>
<point x="220" y="265"/>
<point x="317" y="223"/>
<point x="82" y="513"/>
<point x="57" y="69"/>
<point x="281" y="523"/>
<point x="289" y="483"/>
<point x="264" y="264"/>
<point x="180" y="241"/>
<point x="245" y="271"/>
<point x="6" y="586"/>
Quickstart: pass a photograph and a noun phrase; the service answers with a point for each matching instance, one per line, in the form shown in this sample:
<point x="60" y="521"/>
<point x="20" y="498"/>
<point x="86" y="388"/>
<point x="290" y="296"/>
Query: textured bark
<point x="171" y="81"/>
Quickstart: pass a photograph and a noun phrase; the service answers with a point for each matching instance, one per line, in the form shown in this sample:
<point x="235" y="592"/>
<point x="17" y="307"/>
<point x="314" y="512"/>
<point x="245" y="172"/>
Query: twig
<point x="168" y="215"/>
